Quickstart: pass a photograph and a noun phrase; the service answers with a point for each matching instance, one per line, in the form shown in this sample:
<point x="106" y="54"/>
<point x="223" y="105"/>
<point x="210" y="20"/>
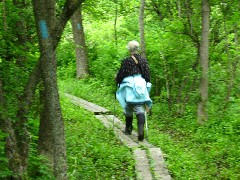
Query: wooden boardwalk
<point x="144" y="152"/>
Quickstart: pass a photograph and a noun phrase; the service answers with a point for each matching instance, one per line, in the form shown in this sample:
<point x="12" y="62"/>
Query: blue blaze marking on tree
<point x="43" y="29"/>
<point x="78" y="26"/>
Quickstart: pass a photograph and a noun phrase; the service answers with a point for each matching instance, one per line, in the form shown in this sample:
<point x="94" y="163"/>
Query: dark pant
<point x="139" y="110"/>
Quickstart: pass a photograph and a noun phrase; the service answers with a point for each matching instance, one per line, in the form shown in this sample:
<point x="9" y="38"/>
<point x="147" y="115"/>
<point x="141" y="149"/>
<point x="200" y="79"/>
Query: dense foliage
<point x="192" y="151"/>
<point x="93" y="152"/>
<point x="172" y="34"/>
<point x="207" y="151"/>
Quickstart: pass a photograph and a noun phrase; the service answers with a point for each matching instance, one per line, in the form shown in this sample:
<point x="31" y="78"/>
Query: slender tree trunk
<point x="157" y="89"/>
<point x="204" y="61"/>
<point x="167" y="83"/>
<point x="80" y="45"/>
<point x="16" y="163"/>
<point x="21" y="130"/>
<point x="187" y="3"/>
<point x="21" y="31"/>
<point x="180" y="96"/>
<point x="192" y="87"/>
<point x="4" y="15"/>
<point x="191" y="32"/>
<point x="11" y="148"/>
<point x="141" y="29"/>
<point x="115" y="23"/>
<point x="233" y="66"/>
<point x="181" y="101"/>
<point x="179" y="8"/>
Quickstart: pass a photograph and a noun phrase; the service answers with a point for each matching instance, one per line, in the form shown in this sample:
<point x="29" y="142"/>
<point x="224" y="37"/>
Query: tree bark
<point x="4" y="15"/>
<point x="115" y="23"/>
<point x="11" y="147"/>
<point x="16" y="147"/>
<point x="49" y="34"/>
<point x="181" y="101"/>
<point x="167" y="83"/>
<point x="80" y="45"/>
<point x="46" y="136"/>
<point x="193" y="34"/>
<point x="233" y="67"/>
<point x="179" y="8"/>
<point x="51" y="122"/>
<point x="204" y="55"/>
<point x="141" y="29"/>
<point x="21" y="31"/>
<point x="21" y="131"/>
<point x="157" y="89"/>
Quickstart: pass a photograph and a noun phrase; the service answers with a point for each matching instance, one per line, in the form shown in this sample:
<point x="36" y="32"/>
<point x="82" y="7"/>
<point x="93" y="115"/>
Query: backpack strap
<point x="136" y="61"/>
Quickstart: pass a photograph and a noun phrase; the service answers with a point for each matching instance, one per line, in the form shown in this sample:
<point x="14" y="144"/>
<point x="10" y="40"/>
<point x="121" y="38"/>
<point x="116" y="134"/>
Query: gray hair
<point x="133" y="46"/>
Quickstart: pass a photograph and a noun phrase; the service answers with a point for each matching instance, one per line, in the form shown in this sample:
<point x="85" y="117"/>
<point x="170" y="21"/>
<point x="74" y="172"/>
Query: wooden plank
<point x="142" y="165"/>
<point x="123" y="138"/>
<point x="121" y="125"/>
<point x="160" y="171"/>
<point x="87" y="105"/>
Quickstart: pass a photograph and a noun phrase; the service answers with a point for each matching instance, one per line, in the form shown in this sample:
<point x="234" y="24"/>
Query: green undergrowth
<point x="94" y="91"/>
<point x="93" y="152"/>
<point x="192" y="151"/>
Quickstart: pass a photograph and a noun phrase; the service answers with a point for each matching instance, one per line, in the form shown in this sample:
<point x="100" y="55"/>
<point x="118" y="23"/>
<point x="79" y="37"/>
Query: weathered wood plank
<point x="87" y="105"/>
<point x="142" y="165"/>
<point x="120" y="124"/>
<point x="123" y="138"/>
<point x="160" y="171"/>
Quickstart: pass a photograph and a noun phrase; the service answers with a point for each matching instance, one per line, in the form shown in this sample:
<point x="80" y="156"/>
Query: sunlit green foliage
<point x="192" y="151"/>
<point x="208" y="151"/>
<point x="93" y="152"/>
<point x="172" y="34"/>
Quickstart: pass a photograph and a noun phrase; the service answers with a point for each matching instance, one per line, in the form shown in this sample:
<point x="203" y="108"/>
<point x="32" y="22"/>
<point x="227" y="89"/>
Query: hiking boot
<point x="129" y="127"/>
<point x="141" y="121"/>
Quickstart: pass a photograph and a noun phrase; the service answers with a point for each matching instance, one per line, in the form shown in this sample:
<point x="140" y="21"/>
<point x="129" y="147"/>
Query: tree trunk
<point x="21" y="130"/>
<point x="141" y="29"/>
<point x="80" y="45"/>
<point x="4" y="15"/>
<point x="233" y="67"/>
<point x="115" y="23"/>
<point x="16" y="146"/>
<point x="16" y="155"/>
<point x="193" y="34"/>
<point x="49" y="34"/>
<point x="52" y="123"/>
<point x="11" y="147"/>
<point x="45" y="140"/>
<point x="157" y="84"/>
<point x="179" y="8"/>
<point x="181" y="101"/>
<point x="21" y="31"/>
<point x="167" y="83"/>
<point x="204" y="53"/>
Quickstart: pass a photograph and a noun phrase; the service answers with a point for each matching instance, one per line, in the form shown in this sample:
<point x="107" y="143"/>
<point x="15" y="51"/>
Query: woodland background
<point x="51" y="47"/>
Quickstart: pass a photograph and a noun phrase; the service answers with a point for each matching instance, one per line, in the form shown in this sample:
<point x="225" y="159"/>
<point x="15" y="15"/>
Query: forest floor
<point x="191" y="151"/>
<point x="149" y="160"/>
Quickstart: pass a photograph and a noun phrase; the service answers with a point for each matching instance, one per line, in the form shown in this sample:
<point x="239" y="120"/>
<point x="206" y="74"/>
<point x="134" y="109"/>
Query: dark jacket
<point x="130" y="68"/>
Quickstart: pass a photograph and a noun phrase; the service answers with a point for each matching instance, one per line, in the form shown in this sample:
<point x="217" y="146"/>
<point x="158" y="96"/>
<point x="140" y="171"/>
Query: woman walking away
<point x="134" y="84"/>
